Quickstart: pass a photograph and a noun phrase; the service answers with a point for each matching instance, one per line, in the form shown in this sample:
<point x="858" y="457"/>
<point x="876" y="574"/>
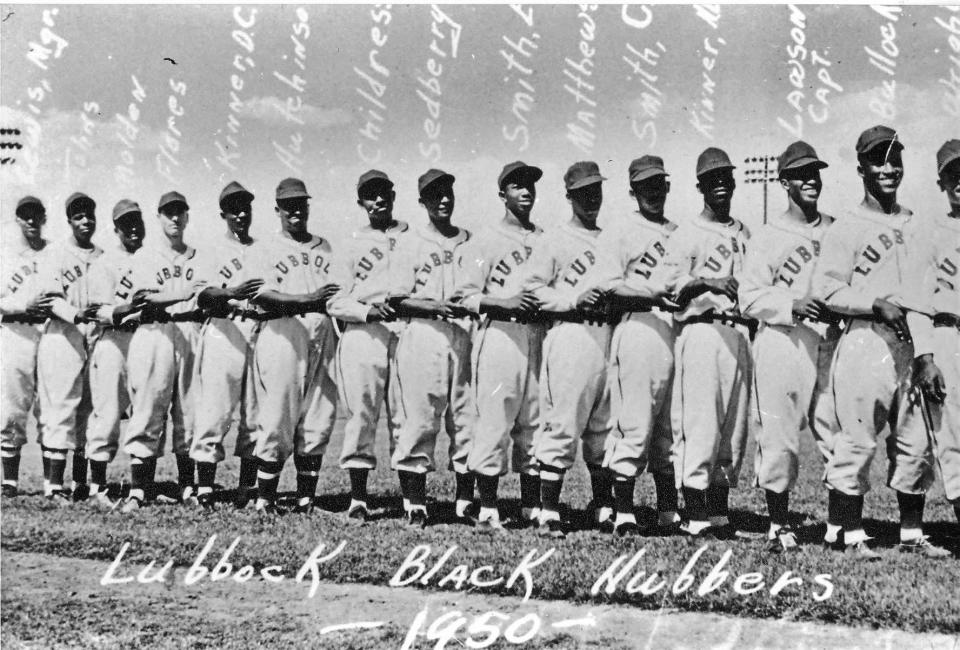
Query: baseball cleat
<point x="206" y="500"/>
<point x="551" y="528"/>
<point x="303" y="508"/>
<point x="417" y="518"/>
<point x="59" y="498"/>
<point x="8" y="491"/>
<point x="490" y="525"/>
<point x="265" y="507"/>
<point x="467" y="514"/>
<point x="861" y="552"/>
<point x="358" y="512"/>
<point x="243" y="496"/>
<point x="102" y="499"/>
<point x="923" y="546"/>
<point x="131" y="504"/>
<point x="80" y="493"/>
<point x="836" y="545"/>
<point x="627" y="529"/>
<point x="188" y="495"/>
<point x="784" y="541"/>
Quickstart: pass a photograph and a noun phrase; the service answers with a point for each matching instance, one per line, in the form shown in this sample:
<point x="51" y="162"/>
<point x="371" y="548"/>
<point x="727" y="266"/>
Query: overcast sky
<point x="356" y="59"/>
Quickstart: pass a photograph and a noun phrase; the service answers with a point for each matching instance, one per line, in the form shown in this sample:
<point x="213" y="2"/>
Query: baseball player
<point x="775" y="290"/>
<point x="62" y="387"/>
<point x="507" y="346"/>
<point x="111" y="292"/>
<point x="712" y="355"/>
<point x="225" y="353"/>
<point x="641" y="351"/>
<point x="433" y="353"/>
<point x="166" y="279"/>
<point x="365" y="361"/>
<point x="294" y="350"/>
<point x="932" y="406"/>
<point x="23" y="312"/>
<point x="866" y="270"/>
<point x="569" y="273"/>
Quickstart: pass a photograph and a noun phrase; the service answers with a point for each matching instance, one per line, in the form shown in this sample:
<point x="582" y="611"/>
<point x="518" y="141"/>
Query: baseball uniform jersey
<point x="19" y="336"/>
<point x="160" y="361"/>
<point x="111" y="285"/>
<point x="224" y="360"/>
<point x="293" y="355"/>
<point x="709" y="409"/>
<point x="777" y="271"/>
<point x="641" y="355"/>
<point x="62" y="352"/>
<point x="574" y="397"/>
<point x="505" y="355"/>
<point x="868" y="255"/>
<point x="433" y="356"/>
<point x="365" y="361"/>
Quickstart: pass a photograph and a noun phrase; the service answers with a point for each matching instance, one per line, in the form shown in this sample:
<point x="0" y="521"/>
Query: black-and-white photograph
<point x="486" y="326"/>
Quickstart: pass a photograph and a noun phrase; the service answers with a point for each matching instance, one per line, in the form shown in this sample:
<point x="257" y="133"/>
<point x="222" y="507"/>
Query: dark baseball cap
<point x="125" y="207"/>
<point x="373" y="176"/>
<point x="171" y="198"/>
<point x="235" y="191"/>
<point x="79" y="197"/>
<point x="292" y="188"/>
<point x="28" y="201"/>
<point x="797" y="155"/>
<point x="713" y="159"/>
<point x="948" y="153"/>
<point x="583" y="173"/>
<point x="646" y="167"/>
<point x="875" y="136"/>
<point x="519" y="169"/>
<point x="433" y="176"/>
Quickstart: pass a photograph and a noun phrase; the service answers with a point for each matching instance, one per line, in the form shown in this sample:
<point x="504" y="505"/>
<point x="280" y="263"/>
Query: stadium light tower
<point x="762" y="173"/>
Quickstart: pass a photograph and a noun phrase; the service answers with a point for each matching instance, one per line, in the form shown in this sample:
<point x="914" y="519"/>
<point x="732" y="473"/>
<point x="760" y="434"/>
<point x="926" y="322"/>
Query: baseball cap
<point x="171" y="198"/>
<point x="713" y="159"/>
<point x="877" y="135"/>
<point x="234" y="189"/>
<point x="371" y="176"/>
<point x="583" y="173"/>
<point x="292" y="188"/>
<point x="79" y="197"/>
<point x="125" y="207"/>
<point x="27" y="201"/>
<point x="949" y="152"/>
<point x="797" y="155"/>
<point x="646" y="167"/>
<point x="521" y="169"/>
<point x="433" y="176"/>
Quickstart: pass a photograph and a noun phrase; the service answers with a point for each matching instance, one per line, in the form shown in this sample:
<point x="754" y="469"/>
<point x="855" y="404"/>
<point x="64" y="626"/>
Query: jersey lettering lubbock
<point x="651" y="259"/>
<point x="579" y="267"/>
<point x="69" y="276"/>
<point x="292" y="261"/>
<point x="367" y="262"/>
<point x="795" y="263"/>
<point x="872" y="254"/>
<point x="947" y="271"/>
<point x="226" y="271"/>
<point x="724" y="252"/>
<point x="168" y="273"/>
<point x="503" y="268"/>
<point x="20" y="276"/>
<point x="125" y="286"/>
<point x="436" y="260"/>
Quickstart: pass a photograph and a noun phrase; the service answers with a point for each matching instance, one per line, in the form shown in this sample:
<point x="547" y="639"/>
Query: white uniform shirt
<point x="779" y="269"/>
<point x="64" y="267"/>
<point x="162" y="268"/>
<point x="940" y="281"/>
<point x="641" y="249"/>
<point x="20" y="268"/>
<point x="705" y="249"/>
<point x="111" y="282"/>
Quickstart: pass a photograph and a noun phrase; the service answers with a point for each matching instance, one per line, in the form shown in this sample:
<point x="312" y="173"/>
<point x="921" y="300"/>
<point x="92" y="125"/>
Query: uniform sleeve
<point x="473" y="275"/>
<point x="343" y="305"/>
<point x="833" y="273"/>
<point x="922" y="286"/>
<point x="49" y="280"/>
<point x="758" y="296"/>
<point x="544" y="269"/>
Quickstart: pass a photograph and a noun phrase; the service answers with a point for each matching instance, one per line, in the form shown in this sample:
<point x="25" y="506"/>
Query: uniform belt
<point x="946" y="319"/>
<point x="575" y="316"/>
<point x="195" y="316"/>
<point x="724" y="319"/>
<point x="25" y="319"/>
<point x="128" y="326"/>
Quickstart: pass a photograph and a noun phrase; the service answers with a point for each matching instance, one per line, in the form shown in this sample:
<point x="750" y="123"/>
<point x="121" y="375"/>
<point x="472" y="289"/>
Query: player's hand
<point x="328" y="291"/>
<point x="723" y="286"/>
<point x="143" y="297"/>
<point x="89" y="313"/>
<point x="928" y="379"/>
<point x="809" y="307"/>
<point x="892" y="316"/>
<point x="589" y="298"/>
<point x="523" y="303"/>
<point x="41" y="305"/>
<point x="381" y="312"/>
<point x="247" y="290"/>
<point x="666" y="302"/>
<point x="456" y="310"/>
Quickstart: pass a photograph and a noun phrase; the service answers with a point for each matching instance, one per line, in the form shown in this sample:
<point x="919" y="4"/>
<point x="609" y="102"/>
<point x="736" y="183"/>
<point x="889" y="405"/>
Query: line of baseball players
<point x="650" y="346"/>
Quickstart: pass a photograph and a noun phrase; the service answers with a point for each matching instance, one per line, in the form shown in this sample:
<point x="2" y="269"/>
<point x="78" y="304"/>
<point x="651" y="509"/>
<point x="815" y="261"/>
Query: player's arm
<point x="544" y="267"/>
<point x="760" y="297"/>
<point x="834" y="271"/>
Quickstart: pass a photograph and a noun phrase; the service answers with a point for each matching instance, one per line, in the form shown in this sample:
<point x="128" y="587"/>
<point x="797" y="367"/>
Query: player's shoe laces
<point x="784" y="541"/>
<point x="8" y="491"/>
<point x="923" y="546"/>
<point x="861" y="552"/>
<point x="551" y="528"/>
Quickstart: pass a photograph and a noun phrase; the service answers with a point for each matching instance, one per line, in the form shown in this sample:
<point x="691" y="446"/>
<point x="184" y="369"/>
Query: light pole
<point x="763" y="173"/>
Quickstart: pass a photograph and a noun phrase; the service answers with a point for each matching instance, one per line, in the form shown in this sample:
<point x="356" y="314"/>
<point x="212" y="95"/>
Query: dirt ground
<point x="28" y="577"/>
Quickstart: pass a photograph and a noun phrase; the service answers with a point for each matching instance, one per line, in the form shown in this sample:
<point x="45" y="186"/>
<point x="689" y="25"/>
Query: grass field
<point x="901" y="592"/>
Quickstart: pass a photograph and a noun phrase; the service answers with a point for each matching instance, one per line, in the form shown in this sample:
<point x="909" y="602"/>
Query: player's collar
<point x="313" y="242"/>
<point x="432" y="234"/>
<point x="666" y="227"/>
<point x="946" y="221"/>
<point x="902" y="216"/>
<point x="511" y="227"/>
<point x="805" y="229"/>
<point x="368" y="232"/>
<point x="575" y="228"/>
<point x="733" y="226"/>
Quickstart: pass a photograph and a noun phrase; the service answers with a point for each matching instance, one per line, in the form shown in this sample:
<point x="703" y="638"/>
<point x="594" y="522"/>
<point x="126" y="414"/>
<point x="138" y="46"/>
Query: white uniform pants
<point x="433" y="370"/>
<point x="641" y="382"/>
<point x="366" y="374"/>
<point x="224" y="386"/>
<point x="160" y="370"/>
<point x="709" y="412"/>
<point x="62" y="388"/>
<point x="506" y="364"/>
<point x="18" y="372"/>
<point x="871" y="382"/>
<point x="574" y="396"/>
<point x="109" y="393"/>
